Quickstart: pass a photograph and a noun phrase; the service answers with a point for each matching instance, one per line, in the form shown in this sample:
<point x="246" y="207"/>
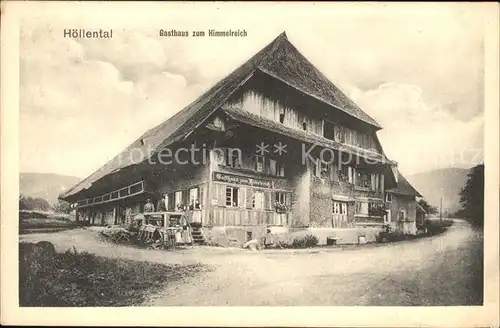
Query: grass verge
<point x="77" y="278"/>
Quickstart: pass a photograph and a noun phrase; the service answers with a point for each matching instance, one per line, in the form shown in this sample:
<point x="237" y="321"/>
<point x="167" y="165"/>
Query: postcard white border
<point x="466" y="316"/>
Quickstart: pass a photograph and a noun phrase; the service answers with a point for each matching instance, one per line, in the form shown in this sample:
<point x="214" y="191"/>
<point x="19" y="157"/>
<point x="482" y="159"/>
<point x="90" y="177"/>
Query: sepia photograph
<point x="270" y="155"/>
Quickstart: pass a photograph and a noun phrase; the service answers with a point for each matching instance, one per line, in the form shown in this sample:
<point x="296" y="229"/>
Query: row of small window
<point x="358" y="177"/>
<point x="177" y="200"/>
<point x="370" y="208"/>
<point x="339" y="208"/>
<point x="348" y="136"/>
<point x="233" y="158"/>
<point x="365" y="208"/>
<point x="258" y="198"/>
<point x="338" y="133"/>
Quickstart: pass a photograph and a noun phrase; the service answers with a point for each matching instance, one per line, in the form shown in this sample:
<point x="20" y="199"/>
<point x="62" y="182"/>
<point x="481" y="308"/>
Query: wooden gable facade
<point x="276" y="99"/>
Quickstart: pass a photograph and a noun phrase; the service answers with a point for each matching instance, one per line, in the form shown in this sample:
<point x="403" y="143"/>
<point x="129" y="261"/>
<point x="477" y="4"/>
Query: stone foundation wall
<point x="222" y="235"/>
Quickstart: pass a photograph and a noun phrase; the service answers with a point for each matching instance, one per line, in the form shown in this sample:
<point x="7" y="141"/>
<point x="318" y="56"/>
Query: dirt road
<point x="440" y="270"/>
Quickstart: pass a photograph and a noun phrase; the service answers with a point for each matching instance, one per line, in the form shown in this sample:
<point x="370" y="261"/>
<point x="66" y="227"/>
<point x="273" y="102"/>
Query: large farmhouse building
<point x="274" y="145"/>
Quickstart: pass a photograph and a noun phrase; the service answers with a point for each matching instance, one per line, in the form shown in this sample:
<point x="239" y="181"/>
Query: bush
<point x="389" y="235"/>
<point x="33" y="203"/>
<point x="434" y="227"/>
<point x="305" y="242"/>
<point x="62" y="207"/>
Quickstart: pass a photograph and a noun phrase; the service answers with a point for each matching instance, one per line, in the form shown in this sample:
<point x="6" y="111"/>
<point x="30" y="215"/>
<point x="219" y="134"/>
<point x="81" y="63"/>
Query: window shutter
<point x="372" y="177"/>
<point x="350" y="174"/>
<point x="249" y="197"/>
<point x="272" y="166"/>
<point x="221" y="194"/>
<point x="241" y="197"/>
<point x="267" y="200"/>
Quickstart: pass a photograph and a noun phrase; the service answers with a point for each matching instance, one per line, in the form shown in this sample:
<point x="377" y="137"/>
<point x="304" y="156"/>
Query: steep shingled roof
<point x="279" y="59"/>
<point x="404" y="187"/>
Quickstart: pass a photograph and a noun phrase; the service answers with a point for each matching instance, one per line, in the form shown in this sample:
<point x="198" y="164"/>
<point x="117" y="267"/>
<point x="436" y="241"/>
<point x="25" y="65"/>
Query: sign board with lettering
<point x="237" y="179"/>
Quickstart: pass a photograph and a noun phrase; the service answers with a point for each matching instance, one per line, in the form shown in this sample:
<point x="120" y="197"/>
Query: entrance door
<point x="339" y="212"/>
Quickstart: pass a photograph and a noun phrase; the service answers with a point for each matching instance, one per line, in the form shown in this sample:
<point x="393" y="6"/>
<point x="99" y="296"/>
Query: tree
<point x="429" y="209"/>
<point x="62" y="207"/>
<point x="472" y="196"/>
<point x="33" y="203"/>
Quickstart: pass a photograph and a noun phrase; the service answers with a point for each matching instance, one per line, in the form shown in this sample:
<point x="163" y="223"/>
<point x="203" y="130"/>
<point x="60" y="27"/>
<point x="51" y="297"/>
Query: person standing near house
<point x="149" y="207"/>
<point x="162" y="207"/>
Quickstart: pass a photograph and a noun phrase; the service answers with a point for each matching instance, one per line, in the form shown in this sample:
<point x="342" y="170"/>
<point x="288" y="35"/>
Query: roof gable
<point x="280" y="59"/>
<point x="287" y="64"/>
<point x="404" y="187"/>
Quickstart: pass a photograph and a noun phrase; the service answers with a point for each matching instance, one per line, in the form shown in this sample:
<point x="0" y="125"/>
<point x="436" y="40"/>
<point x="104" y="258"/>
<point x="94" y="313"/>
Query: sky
<point x="416" y="68"/>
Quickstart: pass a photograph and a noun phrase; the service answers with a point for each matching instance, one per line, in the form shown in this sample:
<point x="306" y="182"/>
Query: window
<point x="280" y="197"/>
<point x="178" y="198"/>
<point x="231" y="196"/>
<point x="339" y="208"/>
<point x="193" y="195"/>
<point x="272" y="166"/>
<point x="276" y="168"/>
<point x="322" y="169"/>
<point x="282" y="117"/>
<point x="329" y="130"/>
<point x="304" y="126"/>
<point x="388" y="197"/>
<point x="280" y="170"/>
<point x="362" y="208"/>
<point x="336" y="208"/>
<point x="259" y="163"/>
<point x="363" y="179"/>
<point x="364" y="140"/>
<point x="376" y="209"/>
<point x="344" y="174"/>
<point x="218" y="122"/>
<point x="402" y="215"/>
<point x="233" y="157"/>
<point x="258" y="200"/>
<point x="339" y="134"/>
<point x="347" y="136"/>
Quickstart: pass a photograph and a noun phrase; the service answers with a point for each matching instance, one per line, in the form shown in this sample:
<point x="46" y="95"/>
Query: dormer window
<point x="304" y="126"/>
<point x="141" y="142"/>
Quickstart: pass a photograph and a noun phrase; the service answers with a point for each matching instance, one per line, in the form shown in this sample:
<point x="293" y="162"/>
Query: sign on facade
<point x="236" y="179"/>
